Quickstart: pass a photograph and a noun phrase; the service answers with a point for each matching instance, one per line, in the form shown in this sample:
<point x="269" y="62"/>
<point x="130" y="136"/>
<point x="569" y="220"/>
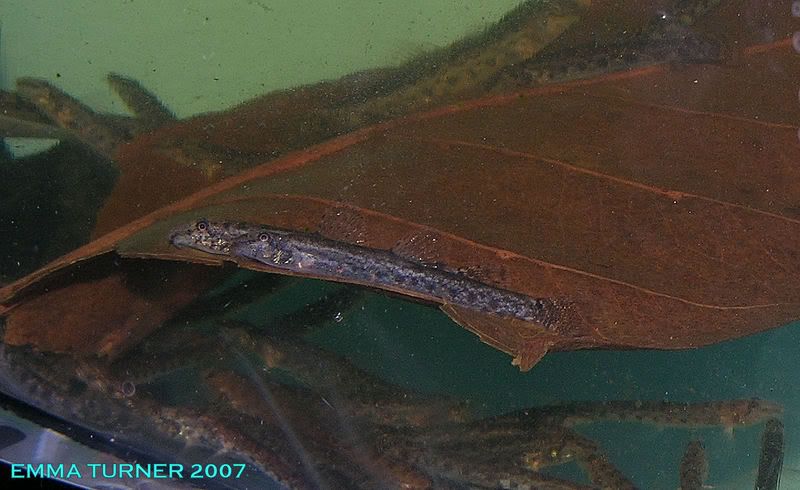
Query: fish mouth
<point x="179" y="238"/>
<point x="185" y="237"/>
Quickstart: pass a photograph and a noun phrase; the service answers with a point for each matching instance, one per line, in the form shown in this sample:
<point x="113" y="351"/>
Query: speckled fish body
<point x="669" y="39"/>
<point x="314" y="256"/>
<point x="694" y="467"/>
<point x="325" y="258"/>
<point x="770" y="462"/>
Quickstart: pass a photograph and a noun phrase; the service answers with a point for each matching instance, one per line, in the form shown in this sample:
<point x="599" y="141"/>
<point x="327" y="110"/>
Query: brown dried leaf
<point x="661" y="203"/>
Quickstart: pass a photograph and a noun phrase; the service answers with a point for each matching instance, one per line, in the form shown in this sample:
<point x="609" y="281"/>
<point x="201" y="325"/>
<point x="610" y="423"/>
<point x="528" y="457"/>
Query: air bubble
<point x="128" y="389"/>
<point x="796" y="8"/>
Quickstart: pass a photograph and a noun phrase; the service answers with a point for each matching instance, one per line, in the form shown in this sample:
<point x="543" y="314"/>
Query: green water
<point x="205" y="55"/>
<point x="208" y="55"/>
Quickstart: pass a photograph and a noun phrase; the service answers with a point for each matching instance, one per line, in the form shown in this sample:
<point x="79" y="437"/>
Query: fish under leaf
<point x="667" y="217"/>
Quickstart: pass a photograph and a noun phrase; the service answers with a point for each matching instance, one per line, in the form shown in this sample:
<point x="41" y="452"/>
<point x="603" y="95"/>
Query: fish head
<point x="211" y="237"/>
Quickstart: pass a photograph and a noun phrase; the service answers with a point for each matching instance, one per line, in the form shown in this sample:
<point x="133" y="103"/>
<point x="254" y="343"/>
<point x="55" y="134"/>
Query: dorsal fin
<point x="485" y="273"/>
<point x="421" y="248"/>
<point x="343" y="224"/>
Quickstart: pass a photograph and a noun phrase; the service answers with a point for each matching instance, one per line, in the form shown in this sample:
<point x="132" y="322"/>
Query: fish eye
<point x="202" y="225"/>
<point x="263" y="237"/>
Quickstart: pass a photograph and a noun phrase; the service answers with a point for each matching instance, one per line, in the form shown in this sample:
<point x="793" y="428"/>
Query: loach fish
<point x="694" y="467"/>
<point x="315" y="256"/>
<point x="669" y="38"/>
<point x="770" y="463"/>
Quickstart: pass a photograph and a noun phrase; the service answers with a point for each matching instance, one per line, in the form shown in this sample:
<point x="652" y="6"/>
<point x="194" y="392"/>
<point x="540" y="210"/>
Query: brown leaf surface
<point x="104" y="305"/>
<point x="662" y="202"/>
<point x="160" y="168"/>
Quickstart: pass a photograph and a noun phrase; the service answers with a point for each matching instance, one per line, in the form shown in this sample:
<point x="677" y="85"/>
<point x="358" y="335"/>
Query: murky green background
<point x="207" y="55"/>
